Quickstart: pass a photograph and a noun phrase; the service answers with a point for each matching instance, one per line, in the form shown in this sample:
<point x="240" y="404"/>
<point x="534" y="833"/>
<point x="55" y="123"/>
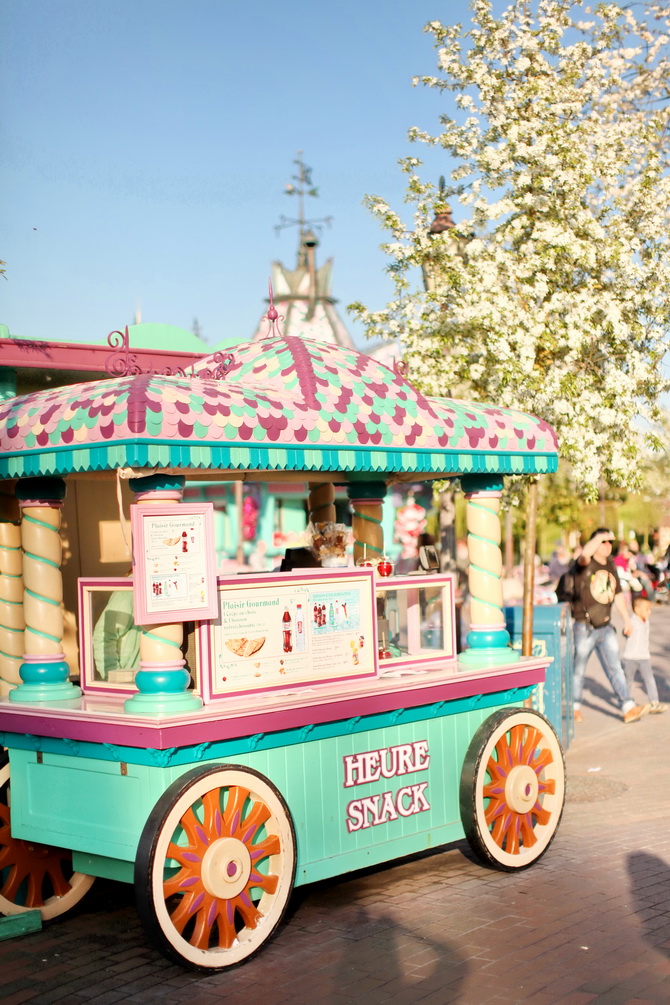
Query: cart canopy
<point x="284" y="404"/>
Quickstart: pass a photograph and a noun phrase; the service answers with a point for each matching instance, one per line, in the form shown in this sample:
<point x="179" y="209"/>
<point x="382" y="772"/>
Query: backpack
<point x="566" y="588"/>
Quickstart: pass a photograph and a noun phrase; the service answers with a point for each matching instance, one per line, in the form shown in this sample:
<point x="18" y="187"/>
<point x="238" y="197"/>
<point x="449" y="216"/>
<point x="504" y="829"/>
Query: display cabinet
<point x="416" y="621"/>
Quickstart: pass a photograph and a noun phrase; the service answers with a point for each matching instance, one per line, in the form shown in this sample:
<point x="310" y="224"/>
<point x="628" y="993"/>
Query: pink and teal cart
<point x="273" y="729"/>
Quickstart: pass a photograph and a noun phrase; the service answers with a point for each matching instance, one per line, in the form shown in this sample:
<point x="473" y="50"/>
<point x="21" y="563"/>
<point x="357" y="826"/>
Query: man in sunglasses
<point x="596" y="589"/>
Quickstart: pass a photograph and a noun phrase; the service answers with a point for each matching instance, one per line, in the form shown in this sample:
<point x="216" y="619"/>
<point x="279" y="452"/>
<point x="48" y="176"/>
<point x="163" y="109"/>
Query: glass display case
<point x="416" y="620"/>
<point x="109" y="639"/>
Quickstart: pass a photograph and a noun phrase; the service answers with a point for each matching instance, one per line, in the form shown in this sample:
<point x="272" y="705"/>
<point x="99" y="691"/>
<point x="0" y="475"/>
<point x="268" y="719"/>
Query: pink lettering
<point x="387" y="762"/>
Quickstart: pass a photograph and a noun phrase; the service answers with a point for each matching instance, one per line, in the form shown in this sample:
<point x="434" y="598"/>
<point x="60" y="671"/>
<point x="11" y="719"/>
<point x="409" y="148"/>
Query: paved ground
<point x="589" y="923"/>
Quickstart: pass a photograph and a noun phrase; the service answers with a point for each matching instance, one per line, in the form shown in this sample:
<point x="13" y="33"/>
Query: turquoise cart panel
<point x="356" y="798"/>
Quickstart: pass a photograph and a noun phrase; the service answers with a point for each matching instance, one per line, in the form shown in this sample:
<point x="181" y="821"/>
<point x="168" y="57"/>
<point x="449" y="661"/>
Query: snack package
<point x="328" y="541"/>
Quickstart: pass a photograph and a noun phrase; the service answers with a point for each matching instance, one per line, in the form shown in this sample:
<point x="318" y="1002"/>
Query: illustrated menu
<point x="290" y="634"/>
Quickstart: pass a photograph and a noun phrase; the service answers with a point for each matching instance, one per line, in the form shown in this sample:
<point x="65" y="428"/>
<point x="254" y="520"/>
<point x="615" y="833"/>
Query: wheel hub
<point x="521" y="788"/>
<point x="226" y="867"/>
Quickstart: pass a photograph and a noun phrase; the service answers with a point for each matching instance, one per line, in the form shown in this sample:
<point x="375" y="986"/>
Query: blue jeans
<point x="604" y="641"/>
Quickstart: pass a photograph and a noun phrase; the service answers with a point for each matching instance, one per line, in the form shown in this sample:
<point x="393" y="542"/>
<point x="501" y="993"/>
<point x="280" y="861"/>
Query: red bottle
<point x="286" y="626"/>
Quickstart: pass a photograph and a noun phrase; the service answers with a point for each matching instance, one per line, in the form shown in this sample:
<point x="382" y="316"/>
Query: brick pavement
<point x="589" y="923"/>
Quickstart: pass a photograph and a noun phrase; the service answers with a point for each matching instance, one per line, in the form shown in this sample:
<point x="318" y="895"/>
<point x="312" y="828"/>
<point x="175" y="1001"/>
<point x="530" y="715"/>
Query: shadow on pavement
<point x="650" y="887"/>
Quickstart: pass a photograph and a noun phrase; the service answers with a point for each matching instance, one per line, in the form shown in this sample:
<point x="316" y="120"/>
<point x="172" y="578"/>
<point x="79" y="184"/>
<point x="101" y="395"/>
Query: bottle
<point x="299" y="630"/>
<point x="287" y="633"/>
<point x="331" y="616"/>
<point x="316" y="615"/>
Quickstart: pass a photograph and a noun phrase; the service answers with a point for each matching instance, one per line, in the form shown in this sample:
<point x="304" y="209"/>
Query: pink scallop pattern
<point x="278" y="392"/>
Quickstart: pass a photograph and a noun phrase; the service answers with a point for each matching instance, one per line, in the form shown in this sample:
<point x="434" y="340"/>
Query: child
<point x="636" y="652"/>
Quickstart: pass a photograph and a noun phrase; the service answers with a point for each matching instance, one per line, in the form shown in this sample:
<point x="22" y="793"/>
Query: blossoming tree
<point x="554" y="299"/>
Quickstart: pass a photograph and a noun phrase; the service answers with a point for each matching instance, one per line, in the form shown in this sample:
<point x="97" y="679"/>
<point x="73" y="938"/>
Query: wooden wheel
<point x="512" y="788"/>
<point x="215" y="867"/>
<point x="34" y="875"/>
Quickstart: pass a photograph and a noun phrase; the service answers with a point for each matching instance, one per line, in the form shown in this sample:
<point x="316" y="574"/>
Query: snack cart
<point x="231" y="737"/>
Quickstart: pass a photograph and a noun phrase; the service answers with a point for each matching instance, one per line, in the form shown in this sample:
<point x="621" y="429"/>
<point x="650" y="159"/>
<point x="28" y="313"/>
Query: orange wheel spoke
<point x="204" y="923"/>
<point x="494" y="810"/>
<point x="542" y="761"/>
<point x="226" y="923"/>
<point x="60" y="884"/>
<point x="189" y="857"/>
<point x="266" y="883"/>
<point x="541" y="815"/>
<point x="213" y="817"/>
<point x="181" y="914"/>
<point x="527" y="832"/>
<point x="237" y="797"/>
<point x="529" y="747"/>
<point x="249" y="914"/>
<point x="271" y="845"/>
<point x="257" y="816"/>
<point x="183" y="882"/>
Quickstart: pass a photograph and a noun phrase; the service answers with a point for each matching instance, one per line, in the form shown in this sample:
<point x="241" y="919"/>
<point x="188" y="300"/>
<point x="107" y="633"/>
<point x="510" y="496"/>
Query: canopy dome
<point x="284" y="404"/>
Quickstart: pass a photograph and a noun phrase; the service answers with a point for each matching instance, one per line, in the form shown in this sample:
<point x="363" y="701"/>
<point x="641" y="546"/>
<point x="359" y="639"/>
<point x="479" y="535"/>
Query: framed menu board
<point x="292" y="630"/>
<point x="174" y="563"/>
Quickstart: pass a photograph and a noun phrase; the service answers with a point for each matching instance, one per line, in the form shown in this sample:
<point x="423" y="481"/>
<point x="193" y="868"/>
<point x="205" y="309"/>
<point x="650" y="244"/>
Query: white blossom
<point x="552" y="293"/>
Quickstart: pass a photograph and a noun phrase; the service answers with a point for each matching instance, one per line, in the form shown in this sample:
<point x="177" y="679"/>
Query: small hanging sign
<point x="174" y="563"/>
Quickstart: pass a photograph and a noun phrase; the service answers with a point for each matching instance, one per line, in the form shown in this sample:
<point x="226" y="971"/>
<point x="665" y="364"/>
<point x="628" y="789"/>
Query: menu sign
<point x="174" y="563"/>
<point x="278" y="633"/>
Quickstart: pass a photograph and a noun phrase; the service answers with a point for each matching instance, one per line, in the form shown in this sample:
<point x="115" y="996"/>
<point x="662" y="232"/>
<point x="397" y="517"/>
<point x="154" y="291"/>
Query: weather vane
<point x="301" y="185"/>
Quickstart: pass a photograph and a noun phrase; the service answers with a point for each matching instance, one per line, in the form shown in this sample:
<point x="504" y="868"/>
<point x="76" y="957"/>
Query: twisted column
<point x="366" y="501"/>
<point x="488" y="639"/>
<point x="12" y="621"/>
<point x="44" y="672"/>
<point x="321" y="502"/>
<point x="162" y="682"/>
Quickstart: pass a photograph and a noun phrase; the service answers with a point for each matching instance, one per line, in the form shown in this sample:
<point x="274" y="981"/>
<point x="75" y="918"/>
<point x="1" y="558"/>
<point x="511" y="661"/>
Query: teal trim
<point x="39" y="596"/>
<point x="159" y="638"/>
<point x="202" y="455"/>
<point x="45" y="561"/>
<point x="40" y="523"/>
<point x="262" y="741"/>
<point x="11" y="656"/>
<point x="36" y="631"/>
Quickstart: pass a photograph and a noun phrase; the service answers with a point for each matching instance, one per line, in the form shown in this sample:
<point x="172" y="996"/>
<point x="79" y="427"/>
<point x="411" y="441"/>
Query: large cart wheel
<point x="215" y="867"/>
<point x="34" y="875"/>
<point x="512" y="788"/>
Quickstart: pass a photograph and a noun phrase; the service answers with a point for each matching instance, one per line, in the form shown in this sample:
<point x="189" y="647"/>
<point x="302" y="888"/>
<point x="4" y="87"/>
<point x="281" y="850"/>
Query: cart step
<point x="14" y="925"/>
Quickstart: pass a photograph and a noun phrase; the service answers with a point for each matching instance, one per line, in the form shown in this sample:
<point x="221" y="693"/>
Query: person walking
<point x="636" y="652"/>
<point x="596" y="588"/>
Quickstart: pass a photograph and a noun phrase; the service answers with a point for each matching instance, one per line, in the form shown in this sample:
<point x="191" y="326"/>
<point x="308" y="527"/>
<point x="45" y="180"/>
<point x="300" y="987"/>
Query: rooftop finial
<point x="273" y="317"/>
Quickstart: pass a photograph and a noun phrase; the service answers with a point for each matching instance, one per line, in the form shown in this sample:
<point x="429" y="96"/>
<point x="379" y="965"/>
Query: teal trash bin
<point x="552" y="636"/>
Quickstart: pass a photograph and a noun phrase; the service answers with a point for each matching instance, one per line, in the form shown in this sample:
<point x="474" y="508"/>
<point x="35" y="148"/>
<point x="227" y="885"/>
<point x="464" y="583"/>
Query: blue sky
<point x="147" y="143"/>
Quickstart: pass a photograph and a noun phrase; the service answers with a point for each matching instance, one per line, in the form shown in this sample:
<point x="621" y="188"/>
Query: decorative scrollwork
<point x="400" y="367"/>
<point x="121" y="363"/>
<point x="224" y="359"/>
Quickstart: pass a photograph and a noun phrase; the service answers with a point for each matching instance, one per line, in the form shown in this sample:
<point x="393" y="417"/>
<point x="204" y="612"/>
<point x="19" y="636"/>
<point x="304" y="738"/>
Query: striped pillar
<point x="366" y="502"/>
<point x="488" y="640"/>
<point x="321" y="502"/>
<point x="12" y="624"/>
<point x="44" y="672"/>
<point x="162" y="682"/>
